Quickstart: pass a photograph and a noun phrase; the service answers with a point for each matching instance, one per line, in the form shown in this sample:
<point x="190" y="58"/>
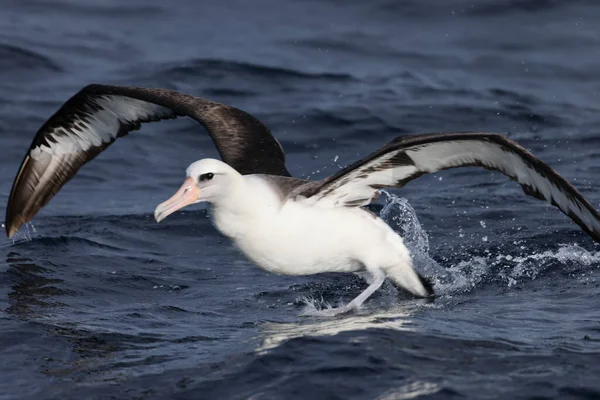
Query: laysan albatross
<point x="283" y="224"/>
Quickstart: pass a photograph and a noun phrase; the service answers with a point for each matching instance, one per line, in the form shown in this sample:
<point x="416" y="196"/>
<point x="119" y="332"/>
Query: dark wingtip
<point x="11" y="232"/>
<point x="12" y="225"/>
<point x="427" y="284"/>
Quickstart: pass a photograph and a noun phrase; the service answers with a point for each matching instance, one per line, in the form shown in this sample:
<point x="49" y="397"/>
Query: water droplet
<point x="482" y="223"/>
<point x="485" y="238"/>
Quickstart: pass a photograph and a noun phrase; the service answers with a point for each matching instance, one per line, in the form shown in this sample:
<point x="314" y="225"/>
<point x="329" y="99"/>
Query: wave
<point x="64" y="241"/>
<point x="484" y="8"/>
<point x="351" y="43"/>
<point x="227" y="68"/>
<point x="87" y="9"/>
<point x="18" y="59"/>
<point x="496" y="8"/>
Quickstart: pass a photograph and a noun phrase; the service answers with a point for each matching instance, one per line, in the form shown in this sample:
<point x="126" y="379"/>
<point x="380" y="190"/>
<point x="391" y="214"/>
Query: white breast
<point x="303" y="240"/>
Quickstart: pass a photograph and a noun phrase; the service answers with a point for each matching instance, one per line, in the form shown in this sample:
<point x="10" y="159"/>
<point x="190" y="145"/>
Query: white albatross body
<point x="293" y="238"/>
<point x="290" y="236"/>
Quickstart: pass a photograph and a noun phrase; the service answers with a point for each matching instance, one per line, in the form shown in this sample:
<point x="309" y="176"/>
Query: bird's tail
<point x="398" y="264"/>
<point x="402" y="273"/>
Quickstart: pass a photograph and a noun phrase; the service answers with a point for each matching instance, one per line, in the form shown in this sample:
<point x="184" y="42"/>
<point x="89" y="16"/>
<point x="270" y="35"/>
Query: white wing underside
<point x="99" y="125"/>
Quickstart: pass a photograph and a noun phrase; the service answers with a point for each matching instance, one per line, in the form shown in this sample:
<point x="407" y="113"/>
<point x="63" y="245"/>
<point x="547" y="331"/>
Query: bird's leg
<point x="378" y="277"/>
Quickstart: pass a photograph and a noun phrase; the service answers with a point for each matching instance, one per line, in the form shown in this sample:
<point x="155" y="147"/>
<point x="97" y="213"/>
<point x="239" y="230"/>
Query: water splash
<point x="312" y="307"/>
<point x="506" y="267"/>
<point x="400" y="215"/>
<point x="509" y="270"/>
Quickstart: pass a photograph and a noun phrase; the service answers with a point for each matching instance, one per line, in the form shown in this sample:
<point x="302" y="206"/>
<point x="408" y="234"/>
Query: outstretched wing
<point x="409" y="157"/>
<point x="94" y="118"/>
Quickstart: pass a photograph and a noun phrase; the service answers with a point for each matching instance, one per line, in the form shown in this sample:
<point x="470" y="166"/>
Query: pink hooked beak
<point x="186" y="195"/>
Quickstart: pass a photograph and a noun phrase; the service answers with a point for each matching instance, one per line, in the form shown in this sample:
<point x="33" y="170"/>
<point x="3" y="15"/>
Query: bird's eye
<point x="207" y="177"/>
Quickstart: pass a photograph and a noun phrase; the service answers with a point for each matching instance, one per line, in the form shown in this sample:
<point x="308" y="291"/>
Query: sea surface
<point x="98" y="301"/>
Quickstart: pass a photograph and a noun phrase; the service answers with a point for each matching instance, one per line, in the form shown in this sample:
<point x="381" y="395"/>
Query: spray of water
<point x="466" y="274"/>
<point x="400" y="215"/>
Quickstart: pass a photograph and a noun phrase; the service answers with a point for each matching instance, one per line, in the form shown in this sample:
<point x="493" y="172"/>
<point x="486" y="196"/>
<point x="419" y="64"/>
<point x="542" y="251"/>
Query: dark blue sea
<point x="98" y="301"/>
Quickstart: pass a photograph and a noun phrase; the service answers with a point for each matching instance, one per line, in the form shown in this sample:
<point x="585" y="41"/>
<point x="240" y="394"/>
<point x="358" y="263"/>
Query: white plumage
<point x="285" y="236"/>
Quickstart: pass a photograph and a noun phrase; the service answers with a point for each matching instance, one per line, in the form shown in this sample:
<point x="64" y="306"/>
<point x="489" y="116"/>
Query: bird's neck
<point x="247" y="203"/>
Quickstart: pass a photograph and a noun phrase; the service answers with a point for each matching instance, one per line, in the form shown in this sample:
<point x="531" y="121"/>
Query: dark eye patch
<point x="206" y="177"/>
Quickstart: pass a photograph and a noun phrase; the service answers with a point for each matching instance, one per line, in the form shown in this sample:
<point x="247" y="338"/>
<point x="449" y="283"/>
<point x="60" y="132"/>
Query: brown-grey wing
<point x="95" y="117"/>
<point x="409" y="157"/>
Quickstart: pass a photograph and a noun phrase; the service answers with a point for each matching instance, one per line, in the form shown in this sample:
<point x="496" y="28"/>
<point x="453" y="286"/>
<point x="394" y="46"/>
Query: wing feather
<point x="409" y="157"/>
<point x="95" y="117"/>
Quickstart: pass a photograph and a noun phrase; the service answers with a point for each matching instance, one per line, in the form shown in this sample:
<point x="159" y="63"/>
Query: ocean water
<point x="97" y="301"/>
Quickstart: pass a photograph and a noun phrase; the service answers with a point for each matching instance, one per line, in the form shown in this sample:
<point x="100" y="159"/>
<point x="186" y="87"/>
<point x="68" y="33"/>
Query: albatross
<point x="285" y="225"/>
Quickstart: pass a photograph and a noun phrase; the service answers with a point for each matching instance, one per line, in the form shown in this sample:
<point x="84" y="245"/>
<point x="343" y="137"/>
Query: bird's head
<point x="207" y="180"/>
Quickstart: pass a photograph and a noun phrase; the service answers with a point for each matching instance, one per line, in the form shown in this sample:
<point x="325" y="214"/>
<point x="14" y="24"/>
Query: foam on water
<point x="312" y="306"/>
